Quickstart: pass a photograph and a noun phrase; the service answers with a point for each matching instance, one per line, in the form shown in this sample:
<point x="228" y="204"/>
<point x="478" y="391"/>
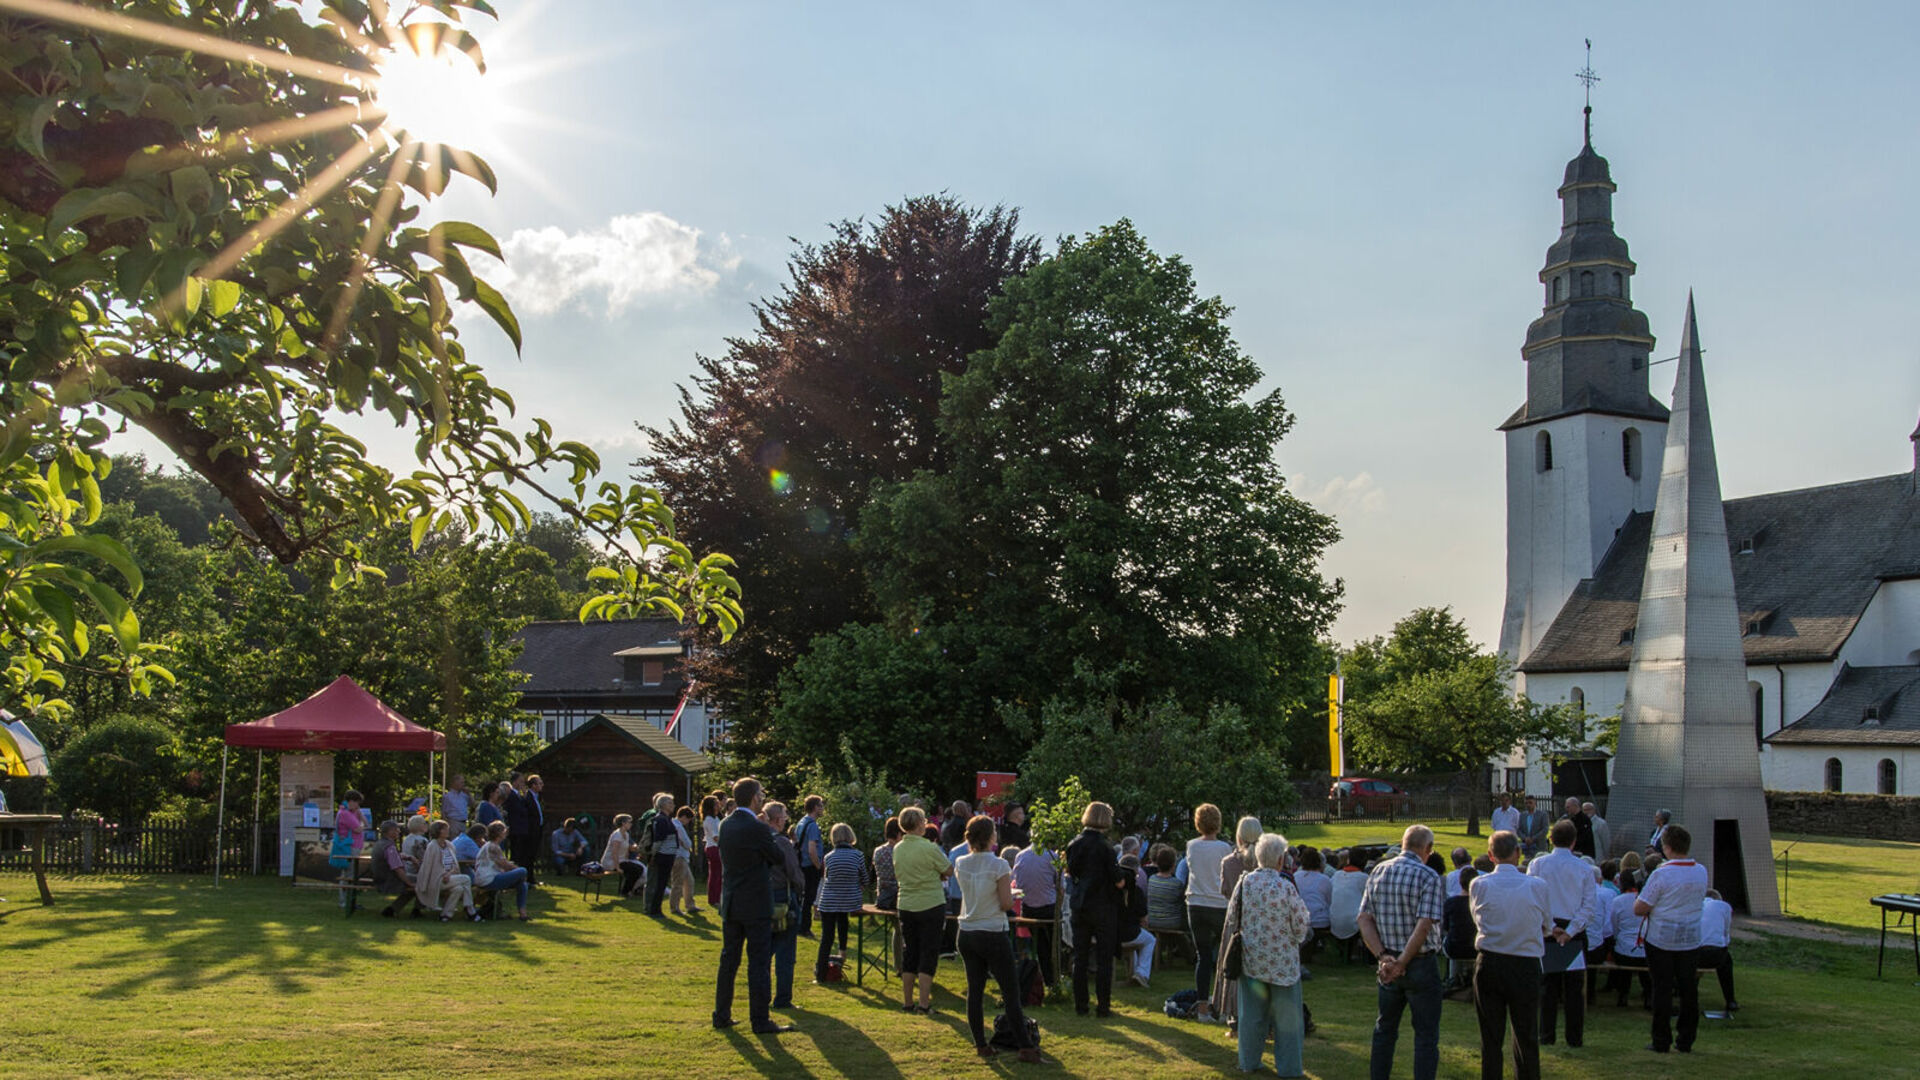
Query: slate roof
<point x="1819" y="554"/>
<point x="1840" y="718"/>
<point x="569" y="656"/>
<point x="641" y="732"/>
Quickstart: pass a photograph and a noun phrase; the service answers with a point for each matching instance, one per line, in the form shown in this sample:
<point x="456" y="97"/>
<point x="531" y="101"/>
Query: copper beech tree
<point x="210" y="231"/>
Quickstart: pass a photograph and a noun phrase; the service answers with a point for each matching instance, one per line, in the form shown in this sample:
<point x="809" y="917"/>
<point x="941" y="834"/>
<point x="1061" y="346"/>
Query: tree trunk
<point x="1473" y="799"/>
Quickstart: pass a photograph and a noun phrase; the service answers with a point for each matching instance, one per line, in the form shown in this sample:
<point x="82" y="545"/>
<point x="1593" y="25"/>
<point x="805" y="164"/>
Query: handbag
<point x="1232" y="954"/>
<point x="340" y="854"/>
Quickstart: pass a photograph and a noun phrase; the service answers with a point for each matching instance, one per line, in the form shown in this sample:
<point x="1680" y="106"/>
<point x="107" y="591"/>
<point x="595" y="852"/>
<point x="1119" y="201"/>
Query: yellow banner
<point x="1335" y="752"/>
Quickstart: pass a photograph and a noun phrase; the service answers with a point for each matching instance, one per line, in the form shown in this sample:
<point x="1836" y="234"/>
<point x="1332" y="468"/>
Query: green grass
<point x="171" y="977"/>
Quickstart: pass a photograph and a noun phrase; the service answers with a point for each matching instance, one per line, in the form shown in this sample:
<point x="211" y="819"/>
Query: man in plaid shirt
<point x="1399" y="911"/>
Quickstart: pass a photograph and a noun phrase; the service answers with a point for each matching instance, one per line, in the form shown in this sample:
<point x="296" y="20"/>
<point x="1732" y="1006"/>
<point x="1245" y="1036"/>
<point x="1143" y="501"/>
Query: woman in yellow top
<point x="921" y="868"/>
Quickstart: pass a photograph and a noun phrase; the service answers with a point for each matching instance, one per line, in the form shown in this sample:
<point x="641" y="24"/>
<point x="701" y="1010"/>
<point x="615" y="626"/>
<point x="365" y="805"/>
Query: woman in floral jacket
<point x="1267" y="913"/>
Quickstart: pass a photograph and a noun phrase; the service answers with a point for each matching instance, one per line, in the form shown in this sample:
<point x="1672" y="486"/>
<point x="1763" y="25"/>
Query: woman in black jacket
<point x="1095" y="904"/>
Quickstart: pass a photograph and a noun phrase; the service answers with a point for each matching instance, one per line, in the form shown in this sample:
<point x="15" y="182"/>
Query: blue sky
<point x="1370" y="186"/>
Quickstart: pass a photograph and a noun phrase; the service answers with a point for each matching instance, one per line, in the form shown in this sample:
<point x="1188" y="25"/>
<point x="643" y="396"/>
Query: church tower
<point x="1577" y="448"/>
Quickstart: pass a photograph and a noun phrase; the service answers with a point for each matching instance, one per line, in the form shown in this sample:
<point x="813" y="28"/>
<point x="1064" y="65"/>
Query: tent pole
<point x="257" y="755"/>
<point x="429" y="803"/>
<point x="220" y="819"/>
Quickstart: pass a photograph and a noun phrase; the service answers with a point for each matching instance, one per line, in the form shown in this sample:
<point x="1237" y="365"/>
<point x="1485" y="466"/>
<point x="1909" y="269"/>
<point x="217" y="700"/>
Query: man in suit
<point x="519" y="814"/>
<point x="747" y="852"/>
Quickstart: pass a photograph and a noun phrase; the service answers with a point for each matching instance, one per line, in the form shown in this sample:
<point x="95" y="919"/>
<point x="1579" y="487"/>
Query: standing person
<point x="986" y="895"/>
<point x="1511" y="921"/>
<point x="1225" y="994"/>
<point x="921" y="868"/>
<point x="491" y="799"/>
<point x="1670" y="901"/>
<point x="1533" y="829"/>
<point x="619" y="854"/>
<point x="456" y="803"/>
<point x="492" y="869"/>
<point x="352" y="823"/>
<point x="953" y="831"/>
<point x="786" y="882"/>
<point x="747" y="853"/>
<point x="812" y="848"/>
<point x="1033" y="875"/>
<point x="843" y="884"/>
<point x="537" y="828"/>
<point x="1571" y="904"/>
<point x="1660" y="820"/>
<point x="1266" y="912"/>
<point x="886" y="887"/>
<point x="1014" y="829"/>
<point x="1399" y="920"/>
<point x="1206" y="904"/>
<point x="1505" y="817"/>
<point x="1716" y="942"/>
<point x="1602" y="834"/>
<point x="666" y="848"/>
<point x="1097" y="880"/>
<point x="710" y="846"/>
<point x="1582" y="826"/>
<point x="519" y="815"/>
<point x="440" y="884"/>
<point x="680" y="892"/>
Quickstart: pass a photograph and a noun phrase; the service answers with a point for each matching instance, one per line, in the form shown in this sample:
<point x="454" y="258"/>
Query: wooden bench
<point x="594" y="880"/>
<point x="889" y="915"/>
<point x="1161" y="934"/>
<point x="353" y="889"/>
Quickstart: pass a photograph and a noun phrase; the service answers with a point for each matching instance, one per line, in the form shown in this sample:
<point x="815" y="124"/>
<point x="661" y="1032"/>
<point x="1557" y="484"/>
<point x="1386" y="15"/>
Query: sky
<point x="1371" y="187"/>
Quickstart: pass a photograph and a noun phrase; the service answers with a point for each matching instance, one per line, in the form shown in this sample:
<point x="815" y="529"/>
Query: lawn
<point x="172" y="977"/>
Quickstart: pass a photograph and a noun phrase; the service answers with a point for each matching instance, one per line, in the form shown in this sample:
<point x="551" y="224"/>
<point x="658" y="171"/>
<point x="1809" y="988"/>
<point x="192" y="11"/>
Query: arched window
<point x="1619" y="284"/>
<point x="1833" y="774"/>
<point x="1577" y="698"/>
<point x="1556" y="289"/>
<point x="1586" y="283"/>
<point x="1630" y="453"/>
<point x="1889" y="777"/>
<point x="1543" y="452"/>
<point x="1757" y="695"/>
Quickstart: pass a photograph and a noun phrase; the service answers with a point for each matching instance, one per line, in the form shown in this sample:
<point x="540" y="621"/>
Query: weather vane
<point x="1588" y="78"/>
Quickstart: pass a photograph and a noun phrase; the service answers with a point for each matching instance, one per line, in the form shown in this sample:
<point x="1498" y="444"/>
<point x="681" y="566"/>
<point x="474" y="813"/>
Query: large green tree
<point x="780" y="439"/>
<point x="209" y="230"/>
<point x="1110" y="529"/>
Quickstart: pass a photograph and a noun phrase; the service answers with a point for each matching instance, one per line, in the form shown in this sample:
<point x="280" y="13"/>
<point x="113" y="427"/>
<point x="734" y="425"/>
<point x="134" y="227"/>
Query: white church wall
<point x="1888" y="632"/>
<point x="1804" y="768"/>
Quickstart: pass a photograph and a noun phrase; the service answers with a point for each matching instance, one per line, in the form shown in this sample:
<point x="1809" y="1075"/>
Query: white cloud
<point x="632" y="259"/>
<point x="1344" y="497"/>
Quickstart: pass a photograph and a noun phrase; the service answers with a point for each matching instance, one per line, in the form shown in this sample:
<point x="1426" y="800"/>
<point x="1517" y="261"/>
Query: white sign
<point x="306" y="799"/>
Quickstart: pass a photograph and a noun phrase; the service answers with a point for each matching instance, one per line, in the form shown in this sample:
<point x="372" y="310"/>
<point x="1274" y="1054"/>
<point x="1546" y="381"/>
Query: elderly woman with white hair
<point x="1226" y="992"/>
<point x="1267" y="914"/>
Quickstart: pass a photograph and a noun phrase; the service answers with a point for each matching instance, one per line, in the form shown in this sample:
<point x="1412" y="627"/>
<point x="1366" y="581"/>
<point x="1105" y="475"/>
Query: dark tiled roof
<point x="1819" y="554"/>
<point x="1586" y="401"/>
<point x="1840" y="718"/>
<point x="652" y="740"/>
<point x="568" y="656"/>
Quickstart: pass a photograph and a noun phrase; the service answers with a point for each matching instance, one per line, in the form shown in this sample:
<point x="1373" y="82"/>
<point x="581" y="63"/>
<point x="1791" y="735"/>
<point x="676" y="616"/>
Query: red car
<point x="1361" y="796"/>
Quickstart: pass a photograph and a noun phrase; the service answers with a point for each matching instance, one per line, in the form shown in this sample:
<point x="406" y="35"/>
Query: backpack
<point x="1033" y="990"/>
<point x="1003" y="1036"/>
<point x="644" y="836"/>
<point x="834" y="972"/>
<point x="1182" y="1005"/>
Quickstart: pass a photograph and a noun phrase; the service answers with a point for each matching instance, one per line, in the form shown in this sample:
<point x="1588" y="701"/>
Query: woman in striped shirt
<point x="843" y="883"/>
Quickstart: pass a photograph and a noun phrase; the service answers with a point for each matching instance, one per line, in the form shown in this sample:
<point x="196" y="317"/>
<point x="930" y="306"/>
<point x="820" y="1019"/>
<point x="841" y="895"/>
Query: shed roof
<point x="644" y="736"/>
<point x="1818" y="555"/>
<point x="1841" y="717"/>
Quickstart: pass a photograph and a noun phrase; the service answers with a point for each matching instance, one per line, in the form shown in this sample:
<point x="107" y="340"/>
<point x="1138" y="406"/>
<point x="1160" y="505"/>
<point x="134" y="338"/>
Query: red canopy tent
<point x="340" y="717"/>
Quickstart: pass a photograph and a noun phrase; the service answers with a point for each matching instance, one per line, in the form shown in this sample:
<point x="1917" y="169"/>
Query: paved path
<point x="1748" y="927"/>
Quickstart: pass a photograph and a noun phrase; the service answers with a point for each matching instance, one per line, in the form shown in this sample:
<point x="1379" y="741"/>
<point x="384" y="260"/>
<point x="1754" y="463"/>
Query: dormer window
<point x="1744" y="546"/>
<point x="1626" y="636"/>
<point x="1871" y="715"/>
<point x="1753" y="628"/>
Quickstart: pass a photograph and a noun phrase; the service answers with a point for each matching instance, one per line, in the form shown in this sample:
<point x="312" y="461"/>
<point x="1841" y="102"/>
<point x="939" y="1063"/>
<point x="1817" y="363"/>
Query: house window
<point x="651" y="672"/>
<point x="1630" y="453"/>
<point x="1586" y="283"/>
<point x="1543" y="452"/>
<point x="1889" y="777"/>
<point x="1578" y="699"/>
<point x="1833" y="774"/>
<point x="1516" y="780"/>
<point x="1757" y="694"/>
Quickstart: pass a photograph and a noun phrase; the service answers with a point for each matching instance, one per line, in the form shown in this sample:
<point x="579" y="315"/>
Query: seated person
<point x="1716" y="941"/>
<point x="1343" y="908"/>
<point x="493" y="870"/>
<point x="1457" y="933"/>
<point x="1134" y="936"/>
<point x="392" y="875"/>
<point x="415" y="844"/>
<point x="466" y="847"/>
<point x="1166" y="897"/>
<point x="569" y="847"/>
<point x="1316" y="892"/>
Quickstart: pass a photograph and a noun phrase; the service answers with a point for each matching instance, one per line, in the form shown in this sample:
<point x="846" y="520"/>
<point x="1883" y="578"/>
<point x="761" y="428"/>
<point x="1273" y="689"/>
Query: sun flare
<point x="437" y="97"/>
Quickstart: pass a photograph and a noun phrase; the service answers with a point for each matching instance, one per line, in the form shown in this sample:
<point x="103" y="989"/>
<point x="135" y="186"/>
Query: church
<point x="1826" y="580"/>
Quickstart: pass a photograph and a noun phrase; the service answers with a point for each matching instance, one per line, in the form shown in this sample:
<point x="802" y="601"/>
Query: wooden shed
<point x="613" y="765"/>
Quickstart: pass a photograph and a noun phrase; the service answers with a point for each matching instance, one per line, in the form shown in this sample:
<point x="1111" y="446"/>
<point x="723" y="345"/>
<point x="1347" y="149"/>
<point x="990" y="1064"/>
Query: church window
<point x="1556" y="289"/>
<point x="1833" y="774"/>
<point x="1757" y="694"/>
<point x="1578" y="699"/>
<point x="1630" y="453"/>
<point x="1619" y="284"/>
<point x="1889" y="777"/>
<point x="1586" y="283"/>
<point x="1543" y="452"/>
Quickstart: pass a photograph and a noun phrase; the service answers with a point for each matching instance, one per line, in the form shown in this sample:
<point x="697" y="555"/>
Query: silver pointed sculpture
<point x="1686" y="728"/>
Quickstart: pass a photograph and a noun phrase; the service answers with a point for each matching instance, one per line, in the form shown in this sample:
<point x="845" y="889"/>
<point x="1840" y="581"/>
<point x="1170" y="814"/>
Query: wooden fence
<point x="90" y="845"/>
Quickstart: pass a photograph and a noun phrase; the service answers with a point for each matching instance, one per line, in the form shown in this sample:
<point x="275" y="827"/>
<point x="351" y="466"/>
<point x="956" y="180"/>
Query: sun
<point x="437" y="96"/>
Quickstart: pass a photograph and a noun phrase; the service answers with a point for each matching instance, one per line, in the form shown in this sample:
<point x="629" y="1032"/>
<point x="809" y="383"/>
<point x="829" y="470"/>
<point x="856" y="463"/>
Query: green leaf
<point x="132" y="269"/>
<point x="466" y="235"/>
<point x="223" y="296"/>
<point x="421" y="526"/>
<point x="83" y="203"/>
<point x="496" y="306"/>
<point x="106" y="549"/>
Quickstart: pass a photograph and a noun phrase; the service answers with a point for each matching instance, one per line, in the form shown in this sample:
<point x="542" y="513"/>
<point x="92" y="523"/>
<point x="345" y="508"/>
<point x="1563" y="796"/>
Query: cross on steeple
<point x="1586" y="76"/>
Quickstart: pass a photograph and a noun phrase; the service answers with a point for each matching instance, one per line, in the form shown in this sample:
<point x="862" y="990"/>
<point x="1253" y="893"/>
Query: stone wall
<point x="1872" y="817"/>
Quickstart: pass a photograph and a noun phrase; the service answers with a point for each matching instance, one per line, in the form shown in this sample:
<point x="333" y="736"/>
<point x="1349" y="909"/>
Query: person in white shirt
<point x="1506" y="817"/>
<point x="1671" y="902"/>
<point x="1450" y="881"/>
<point x="1206" y="904"/>
<point x="1343" y="908"/>
<point x="1570" y="903"/>
<point x="1510" y="914"/>
<point x="1602" y="834"/>
<point x="1716" y="942"/>
<point x="1626" y="928"/>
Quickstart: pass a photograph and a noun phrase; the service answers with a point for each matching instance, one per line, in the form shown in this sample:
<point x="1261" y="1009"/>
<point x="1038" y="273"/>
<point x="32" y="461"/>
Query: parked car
<point x="1362" y="796"/>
